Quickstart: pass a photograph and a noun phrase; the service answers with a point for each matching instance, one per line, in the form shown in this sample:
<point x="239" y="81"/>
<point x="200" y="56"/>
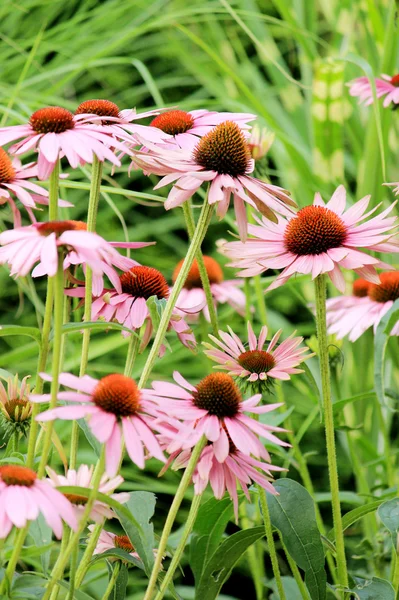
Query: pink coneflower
<point x="114" y="405"/>
<point x="254" y="363"/>
<point x="260" y="142"/>
<point x="386" y="86"/>
<point x="319" y="239"/>
<point x="23" y="496"/>
<point x="40" y="243"/>
<point x="223" y="158"/>
<point x="83" y="478"/>
<point x="15" y="408"/>
<point x="128" y="304"/>
<point x="353" y="315"/>
<point x="109" y="541"/>
<point x="54" y="132"/>
<point x="193" y="295"/>
<point x="214" y="408"/>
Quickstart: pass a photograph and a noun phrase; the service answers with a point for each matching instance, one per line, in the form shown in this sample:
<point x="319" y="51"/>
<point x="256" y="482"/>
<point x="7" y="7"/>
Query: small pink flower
<point x="192" y="294"/>
<point x="386" y="86"/>
<point x="353" y="315"/>
<point x="55" y="132"/>
<point x="114" y="405"/>
<point x="15" y="408"/>
<point x="223" y="158"/>
<point x="260" y="142"/>
<point x="23" y="496"/>
<point x="319" y="239"/>
<point x="40" y="242"/>
<point x="254" y="363"/>
<point x="214" y="408"/>
<point x="83" y="478"/>
<point x="128" y="304"/>
<point x="109" y="541"/>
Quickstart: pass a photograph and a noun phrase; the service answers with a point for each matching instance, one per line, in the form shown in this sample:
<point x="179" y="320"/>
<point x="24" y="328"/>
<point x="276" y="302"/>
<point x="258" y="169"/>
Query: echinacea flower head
<point x="115" y="407"/>
<point x="322" y="238"/>
<point x="385" y="86"/>
<point x="55" y="132"/>
<point x="83" y="477"/>
<point x="214" y="408"/>
<point x="23" y="496"/>
<point x="223" y="291"/>
<point x="127" y="305"/>
<point x="109" y="541"/>
<point x="222" y="157"/>
<point x="254" y="364"/>
<point x="260" y="142"/>
<point x="15" y="408"/>
<point x="364" y="308"/>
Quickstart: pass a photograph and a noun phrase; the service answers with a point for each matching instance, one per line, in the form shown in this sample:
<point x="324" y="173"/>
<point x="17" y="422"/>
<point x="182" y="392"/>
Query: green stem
<point x="395" y="579"/>
<point x="56" y="364"/>
<point x="386" y="443"/>
<point x="192" y="515"/>
<point x="190" y="223"/>
<point x="170" y="519"/>
<point x="112" y="581"/>
<point x="255" y="565"/>
<point x="72" y="573"/>
<point x="295" y="571"/>
<point x="260" y="299"/>
<point x="132" y="351"/>
<point x="88" y="553"/>
<point x="248" y="301"/>
<point x="53" y="191"/>
<point x="320" y="293"/>
<point x="19" y="542"/>
<point x="270" y="542"/>
<point x="199" y="234"/>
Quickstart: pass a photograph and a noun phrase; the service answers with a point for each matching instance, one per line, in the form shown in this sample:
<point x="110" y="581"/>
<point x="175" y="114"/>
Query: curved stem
<point x="192" y="515"/>
<point x="19" y="542"/>
<point x="88" y="553"/>
<point x="170" y="519"/>
<point x="199" y="234"/>
<point x="112" y="581"/>
<point x="270" y="542"/>
<point x="320" y="293"/>
<point x="295" y="571"/>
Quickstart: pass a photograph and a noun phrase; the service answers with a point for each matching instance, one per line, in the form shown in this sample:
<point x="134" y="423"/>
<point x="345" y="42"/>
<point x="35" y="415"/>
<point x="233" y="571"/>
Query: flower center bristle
<point x="360" y="288"/>
<point x="101" y="108"/>
<point x="123" y="542"/>
<point x="395" y="80"/>
<point x="387" y="290"/>
<point x="15" y="409"/>
<point x="59" y="227"/>
<point x="144" y="282"/>
<point x="314" y="230"/>
<point x="224" y="150"/>
<point x="218" y="394"/>
<point x="7" y="171"/>
<point x="215" y="273"/>
<point x="117" y="394"/>
<point x="173" y="122"/>
<point x="76" y="500"/>
<point x="52" y="119"/>
<point x="257" y="361"/>
<point x="16" y="475"/>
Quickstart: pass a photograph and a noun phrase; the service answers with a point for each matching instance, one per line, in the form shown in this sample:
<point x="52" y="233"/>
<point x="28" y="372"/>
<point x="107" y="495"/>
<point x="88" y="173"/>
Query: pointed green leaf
<point x="389" y="515"/>
<point x="373" y="589"/>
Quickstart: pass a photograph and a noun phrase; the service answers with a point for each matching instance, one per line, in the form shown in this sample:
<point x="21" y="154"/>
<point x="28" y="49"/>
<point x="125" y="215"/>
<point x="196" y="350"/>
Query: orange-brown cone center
<point x="193" y="280"/>
<point x="173" y="122"/>
<point x="224" y="150"/>
<point x="7" y="171"/>
<point x="59" y="227"/>
<point x="52" y="119"/>
<point x="361" y="288"/>
<point x="257" y="361"/>
<point x="387" y="290"/>
<point x="123" y="542"/>
<point x="76" y="500"/>
<point x="395" y="80"/>
<point x="16" y="475"/>
<point x="117" y="394"/>
<point x="14" y="408"/>
<point x="218" y="394"/>
<point x="101" y="108"/>
<point x="144" y="282"/>
<point x="314" y="230"/>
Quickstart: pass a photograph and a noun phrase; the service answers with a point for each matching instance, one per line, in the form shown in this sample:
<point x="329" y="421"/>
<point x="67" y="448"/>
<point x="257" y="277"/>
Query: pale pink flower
<point x="127" y="305"/>
<point x="40" y="242"/>
<point x="23" y="496"/>
<point x="320" y="238"/>
<point x="254" y="363"/>
<point x="83" y="478"/>
<point x="55" y="132"/>
<point x="386" y="86"/>
<point x="260" y="142"/>
<point x="109" y="541"/>
<point x="364" y="308"/>
<point x="114" y="406"/>
<point x="214" y="408"/>
<point x="223" y="158"/>
<point x="223" y="291"/>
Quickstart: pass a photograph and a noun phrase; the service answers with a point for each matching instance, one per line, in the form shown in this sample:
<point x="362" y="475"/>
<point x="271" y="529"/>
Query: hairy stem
<point x="270" y="542"/>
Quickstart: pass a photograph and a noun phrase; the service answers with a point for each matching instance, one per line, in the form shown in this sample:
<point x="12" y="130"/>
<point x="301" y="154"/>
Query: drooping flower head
<point x="223" y="291"/>
<point x="364" y="308"/>
<point x="83" y="478"/>
<point x="15" y="408"/>
<point x="223" y="158"/>
<point x="128" y="304"/>
<point x="23" y="496"/>
<point x="115" y="406"/>
<point x="254" y="364"/>
<point x="320" y="238"/>
<point x="386" y="86"/>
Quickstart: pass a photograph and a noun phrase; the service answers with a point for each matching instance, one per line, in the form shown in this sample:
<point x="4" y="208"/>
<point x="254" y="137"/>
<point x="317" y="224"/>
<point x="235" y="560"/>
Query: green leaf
<point x="32" y="332"/>
<point x="42" y="536"/>
<point x="141" y="506"/>
<point x="389" y="515"/>
<point x="339" y="406"/>
<point x="290" y="588"/>
<point x="94" y="326"/>
<point x="119" y="554"/>
<point x="292" y="512"/>
<point x="119" y="590"/>
<point x="221" y="563"/>
<point x="373" y="589"/>
<point x="354" y="515"/>
<point x="380" y="344"/>
<point x="77" y="594"/>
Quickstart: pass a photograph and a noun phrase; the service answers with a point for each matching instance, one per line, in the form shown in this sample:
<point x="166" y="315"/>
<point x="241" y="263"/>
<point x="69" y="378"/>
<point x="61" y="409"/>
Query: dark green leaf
<point x="119" y="554"/>
<point x="290" y="587"/>
<point x="389" y="515"/>
<point x="373" y="589"/>
<point x="380" y="343"/>
<point x="42" y="536"/>
<point x="32" y="332"/>
<point x="356" y="514"/>
<point x="339" y="406"/>
<point x="119" y="590"/>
